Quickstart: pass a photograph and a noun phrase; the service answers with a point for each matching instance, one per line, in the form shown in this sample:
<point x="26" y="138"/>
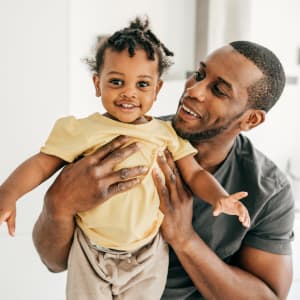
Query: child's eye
<point x="199" y="75"/>
<point x="143" y="84"/>
<point x="117" y="82"/>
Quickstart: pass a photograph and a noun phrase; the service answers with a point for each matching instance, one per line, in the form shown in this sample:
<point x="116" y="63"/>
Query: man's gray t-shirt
<point x="271" y="208"/>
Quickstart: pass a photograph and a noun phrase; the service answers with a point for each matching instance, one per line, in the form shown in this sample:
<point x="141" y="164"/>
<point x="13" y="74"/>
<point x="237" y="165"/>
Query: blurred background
<point x="42" y="78"/>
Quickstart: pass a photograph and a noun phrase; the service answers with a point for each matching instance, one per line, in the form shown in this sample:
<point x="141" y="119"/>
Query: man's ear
<point x="96" y="80"/>
<point x="158" y="87"/>
<point x="253" y="118"/>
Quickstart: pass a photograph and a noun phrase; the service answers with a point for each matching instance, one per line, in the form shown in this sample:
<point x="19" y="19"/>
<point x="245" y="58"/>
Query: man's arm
<point x="257" y="274"/>
<point x="79" y="187"/>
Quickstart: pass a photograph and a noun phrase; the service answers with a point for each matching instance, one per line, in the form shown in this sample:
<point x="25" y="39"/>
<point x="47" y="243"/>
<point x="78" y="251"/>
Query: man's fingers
<point x="162" y="190"/>
<point x="113" y="145"/>
<point x="121" y="187"/>
<point x="129" y="173"/>
<point x="119" y="155"/>
<point x="167" y="166"/>
<point x="126" y="174"/>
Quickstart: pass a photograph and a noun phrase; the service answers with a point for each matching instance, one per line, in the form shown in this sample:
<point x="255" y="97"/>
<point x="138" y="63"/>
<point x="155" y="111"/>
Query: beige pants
<point x="95" y="274"/>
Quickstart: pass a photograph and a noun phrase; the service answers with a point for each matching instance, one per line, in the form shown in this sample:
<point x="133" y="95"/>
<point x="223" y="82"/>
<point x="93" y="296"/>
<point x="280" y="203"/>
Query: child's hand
<point x="8" y="215"/>
<point x="232" y="206"/>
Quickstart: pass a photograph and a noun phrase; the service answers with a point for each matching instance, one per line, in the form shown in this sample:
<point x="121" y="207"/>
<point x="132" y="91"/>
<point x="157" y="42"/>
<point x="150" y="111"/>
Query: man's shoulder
<point x="258" y="162"/>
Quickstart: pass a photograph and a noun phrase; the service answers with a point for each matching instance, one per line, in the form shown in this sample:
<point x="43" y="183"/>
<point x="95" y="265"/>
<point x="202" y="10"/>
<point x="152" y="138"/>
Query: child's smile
<point x="128" y="86"/>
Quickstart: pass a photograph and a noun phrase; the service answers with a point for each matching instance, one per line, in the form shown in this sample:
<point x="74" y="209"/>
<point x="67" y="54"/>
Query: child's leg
<point x="143" y="275"/>
<point x="85" y="278"/>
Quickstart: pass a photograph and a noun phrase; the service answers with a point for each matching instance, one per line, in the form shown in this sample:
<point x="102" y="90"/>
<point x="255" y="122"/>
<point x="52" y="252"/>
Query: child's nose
<point x="128" y="93"/>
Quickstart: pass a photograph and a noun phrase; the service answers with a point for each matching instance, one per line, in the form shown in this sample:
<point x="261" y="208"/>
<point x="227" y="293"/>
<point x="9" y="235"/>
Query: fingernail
<point x="161" y="156"/>
<point x="135" y="180"/>
<point x="144" y="169"/>
<point x="156" y="170"/>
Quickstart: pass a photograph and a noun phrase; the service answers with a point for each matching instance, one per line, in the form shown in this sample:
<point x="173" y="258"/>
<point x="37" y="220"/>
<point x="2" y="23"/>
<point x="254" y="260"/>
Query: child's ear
<point x="96" y="80"/>
<point x="253" y="118"/>
<point x="159" y="86"/>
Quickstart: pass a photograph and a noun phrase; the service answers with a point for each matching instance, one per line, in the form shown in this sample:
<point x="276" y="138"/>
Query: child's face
<point x="128" y="85"/>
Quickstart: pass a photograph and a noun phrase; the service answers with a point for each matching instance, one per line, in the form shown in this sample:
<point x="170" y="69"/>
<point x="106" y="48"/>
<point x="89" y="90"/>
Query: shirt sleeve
<point x="66" y="139"/>
<point x="273" y="228"/>
<point x="178" y="146"/>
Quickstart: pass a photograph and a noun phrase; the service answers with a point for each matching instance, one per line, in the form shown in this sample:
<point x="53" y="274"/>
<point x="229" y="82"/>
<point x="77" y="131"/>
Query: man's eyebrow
<point x="220" y="79"/>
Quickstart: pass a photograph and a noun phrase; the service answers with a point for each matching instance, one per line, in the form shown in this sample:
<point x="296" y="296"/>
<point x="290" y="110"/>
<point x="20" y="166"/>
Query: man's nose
<point x="196" y="91"/>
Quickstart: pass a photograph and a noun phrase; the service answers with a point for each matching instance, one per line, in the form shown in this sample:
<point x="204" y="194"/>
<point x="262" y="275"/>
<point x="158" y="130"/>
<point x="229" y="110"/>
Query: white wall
<point x="42" y="78"/>
<point x="172" y="21"/>
<point x="274" y="24"/>
<point x="33" y="93"/>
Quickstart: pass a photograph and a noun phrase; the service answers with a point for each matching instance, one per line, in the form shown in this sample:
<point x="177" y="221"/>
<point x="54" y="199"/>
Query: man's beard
<point x="197" y="137"/>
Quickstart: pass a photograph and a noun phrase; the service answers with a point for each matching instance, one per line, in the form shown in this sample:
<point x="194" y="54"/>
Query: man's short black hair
<point x="265" y="92"/>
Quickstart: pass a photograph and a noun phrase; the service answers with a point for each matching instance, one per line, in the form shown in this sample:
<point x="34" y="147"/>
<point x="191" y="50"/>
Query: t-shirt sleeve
<point x="178" y="146"/>
<point x="66" y="140"/>
<point x="272" y="230"/>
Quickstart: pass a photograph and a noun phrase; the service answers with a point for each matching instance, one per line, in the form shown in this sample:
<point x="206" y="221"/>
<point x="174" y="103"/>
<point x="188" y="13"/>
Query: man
<point x="210" y="257"/>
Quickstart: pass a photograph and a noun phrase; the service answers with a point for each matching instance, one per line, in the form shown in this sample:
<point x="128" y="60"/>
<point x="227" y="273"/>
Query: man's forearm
<point x="215" y="279"/>
<point x="52" y="238"/>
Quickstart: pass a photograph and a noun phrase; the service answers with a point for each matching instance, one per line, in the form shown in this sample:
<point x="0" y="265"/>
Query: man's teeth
<point x="186" y="109"/>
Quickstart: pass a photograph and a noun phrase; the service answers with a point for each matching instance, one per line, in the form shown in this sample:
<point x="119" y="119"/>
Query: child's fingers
<point x="11" y="224"/>
<point x="217" y="210"/>
<point x="244" y="217"/>
<point x="238" y="196"/>
<point x="4" y="216"/>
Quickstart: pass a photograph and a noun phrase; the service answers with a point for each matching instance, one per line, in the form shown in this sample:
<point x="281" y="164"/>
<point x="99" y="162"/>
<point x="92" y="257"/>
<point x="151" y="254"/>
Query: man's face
<point x="215" y="98"/>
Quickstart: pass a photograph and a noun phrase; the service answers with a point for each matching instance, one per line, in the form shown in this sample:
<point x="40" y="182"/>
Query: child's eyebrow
<point x="202" y="64"/>
<point x="145" y="76"/>
<point x="123" y="74"/>
<point x="115" y="73"/>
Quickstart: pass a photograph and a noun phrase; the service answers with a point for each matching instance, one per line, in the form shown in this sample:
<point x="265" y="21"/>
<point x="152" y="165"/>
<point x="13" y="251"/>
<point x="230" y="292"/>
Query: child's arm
<point x="206" y="187"/>
<point x="24" y="178"/>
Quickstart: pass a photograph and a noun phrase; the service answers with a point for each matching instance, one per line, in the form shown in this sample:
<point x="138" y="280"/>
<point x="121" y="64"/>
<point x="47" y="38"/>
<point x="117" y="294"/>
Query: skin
<point x="91" y="178"/>
<point x="128" y="86"/>
<point x="220" y="113"/>
<point x="257" y="274"/>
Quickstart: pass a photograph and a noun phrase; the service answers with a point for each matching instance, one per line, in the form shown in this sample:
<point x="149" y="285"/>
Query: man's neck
<point x="212" y="153"/>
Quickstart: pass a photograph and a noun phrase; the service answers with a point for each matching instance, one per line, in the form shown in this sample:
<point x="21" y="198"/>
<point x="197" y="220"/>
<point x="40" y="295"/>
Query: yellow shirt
<point x="130" y="219"/>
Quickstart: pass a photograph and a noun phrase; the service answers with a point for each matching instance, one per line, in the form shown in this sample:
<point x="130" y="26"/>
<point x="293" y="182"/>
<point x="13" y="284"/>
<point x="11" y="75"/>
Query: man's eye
<point x="117" y="82"/>
<point x="199" y="76"/>
<point x="216" y="90"/>
<point x="143" y="84"/>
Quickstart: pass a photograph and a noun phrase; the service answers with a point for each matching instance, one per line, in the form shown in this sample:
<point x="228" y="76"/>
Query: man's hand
<point x="176" y="202"/>
<point x="92" y="180"/>
<point x="81" y="186"/>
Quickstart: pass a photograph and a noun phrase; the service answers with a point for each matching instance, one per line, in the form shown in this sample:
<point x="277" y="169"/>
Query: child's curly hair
<point x="136" y="36"/>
